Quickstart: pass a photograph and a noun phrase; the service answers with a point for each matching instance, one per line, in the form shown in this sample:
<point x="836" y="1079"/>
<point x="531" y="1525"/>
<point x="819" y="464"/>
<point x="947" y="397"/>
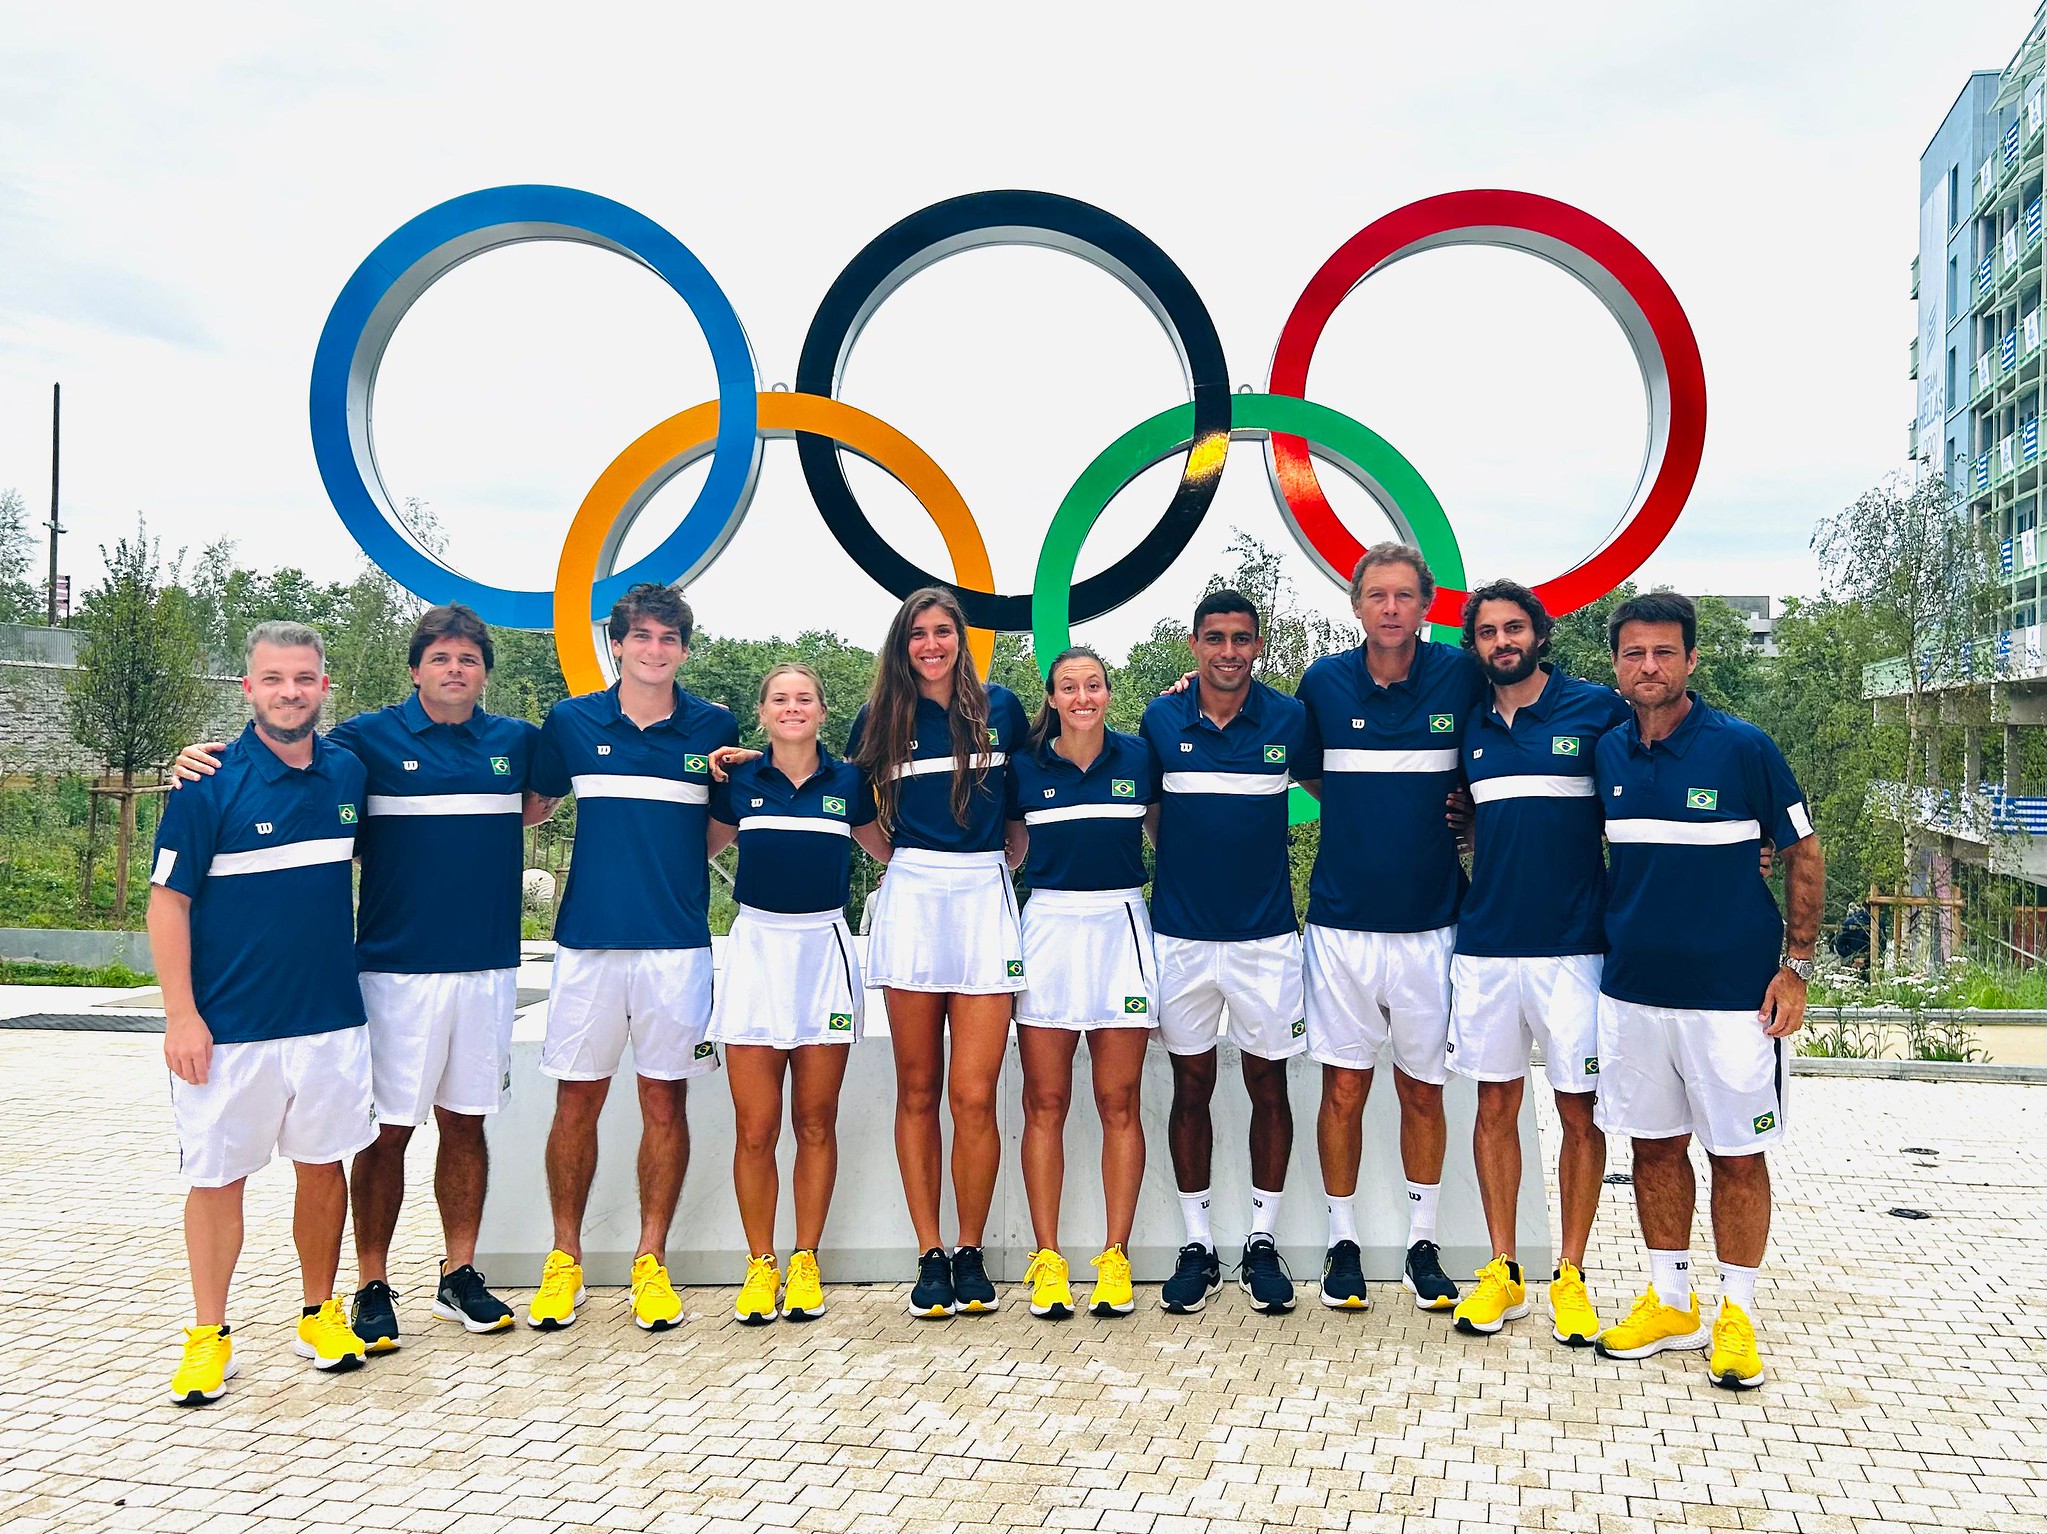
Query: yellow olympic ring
<point x="664" y="450"/>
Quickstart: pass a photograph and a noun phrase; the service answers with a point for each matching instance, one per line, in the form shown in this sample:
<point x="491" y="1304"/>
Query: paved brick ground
<point x="1910" y="1363"/>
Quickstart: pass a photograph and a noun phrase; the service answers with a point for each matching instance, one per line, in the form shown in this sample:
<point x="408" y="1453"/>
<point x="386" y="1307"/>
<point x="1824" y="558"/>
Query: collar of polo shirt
<point x="615" y="716"/>
<point x="419" y="721"/>
<point x="1253" y="710"/>
<point x="1679" y="740"/>
<point x="1537" y="708"/>
<point x="271" y="767"/>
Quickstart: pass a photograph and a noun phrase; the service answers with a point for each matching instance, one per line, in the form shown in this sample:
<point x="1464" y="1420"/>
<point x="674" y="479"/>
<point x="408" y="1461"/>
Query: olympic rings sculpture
<point x="732" y="428"/>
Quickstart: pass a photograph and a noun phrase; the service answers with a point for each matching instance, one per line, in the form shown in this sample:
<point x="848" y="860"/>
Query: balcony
<point x="1977" y="815"/>
<point x="2016" y="655"/>
<point x="1915" y="276"/>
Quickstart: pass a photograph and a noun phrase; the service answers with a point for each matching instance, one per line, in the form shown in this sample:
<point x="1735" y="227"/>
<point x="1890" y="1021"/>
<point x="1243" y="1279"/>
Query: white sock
<point x="1264" y="1213"/>
<point x="1670" y="1275"/>
<point x="1738" y="1285"/>
<point x="1194" y="1210"/>
<point x="1343" y="1218"/>
<point x="1422" y="1198"/>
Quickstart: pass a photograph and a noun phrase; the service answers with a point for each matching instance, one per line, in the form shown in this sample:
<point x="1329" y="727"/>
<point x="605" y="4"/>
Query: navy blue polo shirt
<point x="1220" y="872"/>
<point x="638" y="877"/>
<point x="263" y="850"/>
<point x="924" y="783"/>
<point x="442" y="798"/>
<point x="1538" y="874"/>
<point x="1690" y="921"/>
<point x="795" y="839"/>
<point x="1387" y="860"/>
<point x="1086" y="828"/>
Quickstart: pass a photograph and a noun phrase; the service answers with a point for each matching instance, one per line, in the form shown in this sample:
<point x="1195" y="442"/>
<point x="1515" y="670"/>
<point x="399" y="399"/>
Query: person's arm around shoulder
<point x="534" y="806"/>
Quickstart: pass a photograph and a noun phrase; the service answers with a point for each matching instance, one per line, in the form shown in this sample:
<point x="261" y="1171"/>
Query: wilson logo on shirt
<point x="1442" y="724"/>
<point x="1765" y="1122"/>
<point x="1136" y="1004"/>
<point x="1123" y="788"/>
<point x="604" y="750"/>
<point x="841" y="1022"/>
<point x="1275" y="753"/>
<point x="1016" y="969"/>
<point x="264" y="828"/>
<point x="834" y="806"/>
<point x="501" y="765"/>
<point x="1702" y="798"/>
<point x="695" y="764"/>
<point x="348" y="814"/>
<point x="1186" y="747"/>
<point x="1563" y="745"/>
<point x="412" y="766"/>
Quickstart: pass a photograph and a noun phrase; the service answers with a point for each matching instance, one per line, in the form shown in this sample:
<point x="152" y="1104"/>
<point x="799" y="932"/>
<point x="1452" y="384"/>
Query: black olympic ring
<point x="1018" y="218"/>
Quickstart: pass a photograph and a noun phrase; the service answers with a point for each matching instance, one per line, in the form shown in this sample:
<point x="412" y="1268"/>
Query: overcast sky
<point x="184" y="190"/>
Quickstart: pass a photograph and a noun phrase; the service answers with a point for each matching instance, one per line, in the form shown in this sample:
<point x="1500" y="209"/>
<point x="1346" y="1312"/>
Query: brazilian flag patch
<point x="1300" y="1027"/>
<point x="1123" y="788"/>
<point x="1136" y="1004"/>
<point x="695" y="764"/>
<point x="1765" y="1122"/>
<point x="1275" y="753"/>
<point x="842" y="1022"/>
<point x="994" y="738"/>
<point x="1702" y="798"/>
<point x="834" y="806"/>
<point x="501" y="765"/>
<point x="1563" y="745"/>
<point x="348" y="814"/>
<point x="705" y="1050"/>
<point x="1442" y="724"/>
<point x="1016" y="969"/>
<point x="1592" y="1065"/>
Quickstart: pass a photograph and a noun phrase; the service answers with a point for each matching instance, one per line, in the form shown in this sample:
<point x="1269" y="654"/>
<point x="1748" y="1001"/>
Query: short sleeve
<point x="1774" y="793"/>
<point x="348" y="733"/>
<point x="728" y="728"/>
<point x="721" y="804"/>
<point x="1019" y="721"/>
<point x="1011" y="796"/>
<point x="1145" y="733"/>
<point x="862" y="807"/>
<point x="1306" y="763"/>
<point x="529" y="754"/>
<point x="859" y="728"/>
<point x="185" y="839"/>
<point x="550" y="777"/>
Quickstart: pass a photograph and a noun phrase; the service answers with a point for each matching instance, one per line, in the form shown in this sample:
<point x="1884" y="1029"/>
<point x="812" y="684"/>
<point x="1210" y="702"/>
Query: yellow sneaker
<point x="1111" y="1296"/>
<point x="1735" y="1364"/>
<point x="803" y="1300"/>
<point x="1500" y="1297"/>
<point x="208" y="1364"/>
<point x="656" y="1305"/>
<point x="1652" y="1327"/>
<point x="1051" y="1296"/>
<point x="325" y="1338"/>
<point x="1570" y="1307"/>
<point x="560" y="1292"/>
<point x="756" y="1305"/>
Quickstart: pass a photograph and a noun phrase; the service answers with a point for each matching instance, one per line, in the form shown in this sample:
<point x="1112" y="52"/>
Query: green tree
<point x="18" y="603"/>
<point x="135" y="697"/>
<point x="526" y="680"/>
<point x="367" y="630"/>
<point x="1295" y="636"/>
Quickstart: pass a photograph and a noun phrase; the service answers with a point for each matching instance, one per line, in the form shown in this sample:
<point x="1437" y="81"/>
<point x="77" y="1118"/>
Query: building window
<point x="1954" y="288"/>
<point x="1954" y="197"/>
<point x="1951" y="375"/>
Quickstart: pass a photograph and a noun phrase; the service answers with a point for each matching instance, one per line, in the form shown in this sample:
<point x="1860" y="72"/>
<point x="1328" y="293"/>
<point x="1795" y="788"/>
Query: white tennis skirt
<point x="946" y="921"/>
<point x="1089" y="957"/>
<point x="789" y="980"/>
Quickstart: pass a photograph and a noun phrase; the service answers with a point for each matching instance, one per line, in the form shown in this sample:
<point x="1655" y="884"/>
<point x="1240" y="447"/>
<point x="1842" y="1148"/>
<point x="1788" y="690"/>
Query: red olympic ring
<point x="1617" y="273"/>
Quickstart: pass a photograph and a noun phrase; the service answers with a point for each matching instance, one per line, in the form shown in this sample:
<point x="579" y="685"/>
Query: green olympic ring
<point x="1348" y="444"/>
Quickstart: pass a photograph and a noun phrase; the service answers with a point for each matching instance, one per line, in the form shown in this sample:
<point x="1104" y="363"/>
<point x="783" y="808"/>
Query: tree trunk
<point x="124" y="845"/>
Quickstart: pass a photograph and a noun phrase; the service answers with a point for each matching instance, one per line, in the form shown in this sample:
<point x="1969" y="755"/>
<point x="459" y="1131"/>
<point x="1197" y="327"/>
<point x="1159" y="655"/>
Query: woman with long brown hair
<point x="946" y="948"/>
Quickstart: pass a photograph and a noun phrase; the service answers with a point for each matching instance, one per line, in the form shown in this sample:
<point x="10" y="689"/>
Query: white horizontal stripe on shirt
<point x="1532" y="785"/>
<point x="268" y="860"/>
<point x="1684" y="833"/>
<point x="1444" y="760"/>
<point x="626" y="785"/>
<point x="1223" y="782"/>
<point x="1800" y="821"/>
<point x="443" y="804"/>
<point x="1084" y="812"/>
<point x="794" y="823"/>
<point x="925" y="766"/>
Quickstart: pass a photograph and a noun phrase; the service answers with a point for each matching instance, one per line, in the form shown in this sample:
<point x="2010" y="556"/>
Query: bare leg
<point x="461" y="1175"/>
<point x="916" y="1026"/>
<point x="378" y="1194"/>
<point x="980" y="1031"/>
<point x="1272" y="1122"/>
<point x="317" y="1215"/>
<point x="1496" y="1153"/>
<point x="1581" y="1166"/>
<point x="1665" y="1194"/>
<point x="1423" y="1133"/>
<point x="754" y="1073"/>
<point x="1340" y="1128"/>
<point x="1116" y="1059"/>
<point x="1741" y="1208"/>
<point x="1190" y="1130"/>
<point x="213" y="1244"/>
<point x="664" y="1159"/>
<point x="819" y="1071"/>
<point x="572" y="1158"/>
<point x="1047" y="1094"/>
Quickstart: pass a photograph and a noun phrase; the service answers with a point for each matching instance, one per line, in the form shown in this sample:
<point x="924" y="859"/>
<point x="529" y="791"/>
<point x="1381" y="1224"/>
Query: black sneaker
<point x="1197" y="1279"/>
<point x="373" y="1317"/>
<point x="463" y="1297"/>
<point x="1343" y="1278"/>
<point x="972" y="1293"/>
<point x="1262" y="1275"/>
<point x="1426" y="1280"/>
<point x="933" y="1295"/>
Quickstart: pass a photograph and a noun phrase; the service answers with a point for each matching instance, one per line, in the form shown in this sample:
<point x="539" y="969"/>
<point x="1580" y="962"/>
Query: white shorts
<point x="1500" y="1007"/>
<point x="660" y="997"/>
<point x="1368" y="988"/>
<point x="1258" y="982"/>
<point x="306" y="1098"/>
<point x="440" y="1041"/>
<point x="789" y="980"/>
<point x="1091" y="958"/>
<point x="946" y="921"/>
<point x="1668" y="1071"/>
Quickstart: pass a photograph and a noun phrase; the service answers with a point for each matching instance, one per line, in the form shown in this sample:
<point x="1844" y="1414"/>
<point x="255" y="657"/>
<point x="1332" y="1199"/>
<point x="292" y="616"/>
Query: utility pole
<point x="56" y="409"/>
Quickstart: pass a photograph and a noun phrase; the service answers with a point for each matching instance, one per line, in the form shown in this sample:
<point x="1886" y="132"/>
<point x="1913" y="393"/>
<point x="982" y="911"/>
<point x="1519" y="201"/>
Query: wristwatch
<point x="1802" y="968"/>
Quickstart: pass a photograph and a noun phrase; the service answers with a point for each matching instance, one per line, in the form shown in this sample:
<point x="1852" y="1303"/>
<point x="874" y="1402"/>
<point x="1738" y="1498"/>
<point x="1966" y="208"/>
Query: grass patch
<point x="36" y="972"/>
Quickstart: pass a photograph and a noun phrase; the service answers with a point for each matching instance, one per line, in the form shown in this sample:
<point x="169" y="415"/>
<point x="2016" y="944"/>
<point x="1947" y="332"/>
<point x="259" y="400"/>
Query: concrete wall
<point x="59" y="945"/>
<point x="35" y="725"/>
